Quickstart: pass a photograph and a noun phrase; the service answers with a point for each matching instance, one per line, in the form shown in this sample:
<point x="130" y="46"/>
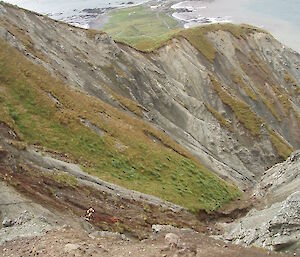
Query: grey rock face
<point x="173" y="87"/>
<point x="277" y="225"/>
<point x="172" y="239"/>
<point x="281" y="180"/>
<point x="25" y="217"/>
<point x="71" y="247"/>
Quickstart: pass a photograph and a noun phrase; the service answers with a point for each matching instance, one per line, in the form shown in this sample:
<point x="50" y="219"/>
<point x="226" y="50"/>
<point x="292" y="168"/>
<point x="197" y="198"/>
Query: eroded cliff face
<point x="276" y="224"/>
<point x="235" y="108"/>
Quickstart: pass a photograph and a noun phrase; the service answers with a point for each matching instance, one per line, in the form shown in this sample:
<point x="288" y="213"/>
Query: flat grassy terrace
<point x="141" y="27"/>
<point x="147" y="30"/>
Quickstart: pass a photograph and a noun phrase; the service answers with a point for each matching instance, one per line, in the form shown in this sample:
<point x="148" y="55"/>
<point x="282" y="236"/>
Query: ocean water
<point x="280" y="17"/>
<point x="66" y="6"/>
<point x="287" y="10"/>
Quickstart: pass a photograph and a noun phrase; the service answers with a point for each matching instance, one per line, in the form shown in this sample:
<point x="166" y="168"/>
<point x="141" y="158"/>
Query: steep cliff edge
<point x="221" y="98"/>
<point x="275" y="224"/>
<point x="229" y="94"/>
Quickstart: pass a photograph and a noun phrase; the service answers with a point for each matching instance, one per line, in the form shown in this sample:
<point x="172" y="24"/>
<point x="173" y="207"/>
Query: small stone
<point x="71" y="247"/>
<point x="7" y="223"/>
<point x="172" y="239"/>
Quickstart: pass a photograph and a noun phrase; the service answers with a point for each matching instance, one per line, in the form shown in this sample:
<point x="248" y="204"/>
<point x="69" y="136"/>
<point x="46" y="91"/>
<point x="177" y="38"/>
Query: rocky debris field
<point x="167" y="241"/>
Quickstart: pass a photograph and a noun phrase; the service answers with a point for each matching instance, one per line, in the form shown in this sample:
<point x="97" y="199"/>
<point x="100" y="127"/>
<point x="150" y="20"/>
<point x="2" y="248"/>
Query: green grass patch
<point x="140" y="27"/>
<point x="147" y="30"/>
<point x="163" y="168"/>
<point x="64" y="178"/>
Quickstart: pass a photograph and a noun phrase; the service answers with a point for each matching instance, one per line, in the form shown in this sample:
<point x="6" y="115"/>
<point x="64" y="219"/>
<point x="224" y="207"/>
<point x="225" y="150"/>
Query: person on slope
<point x="90" y="214"/>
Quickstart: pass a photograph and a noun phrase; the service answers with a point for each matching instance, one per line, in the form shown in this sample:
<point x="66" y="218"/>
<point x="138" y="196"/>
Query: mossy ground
<point x="163" y="169"/>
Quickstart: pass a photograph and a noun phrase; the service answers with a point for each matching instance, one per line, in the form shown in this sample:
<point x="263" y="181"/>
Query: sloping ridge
<point x="45" y="112"/>
<point x="223" y="98"/>
<point x="228" y="94"/>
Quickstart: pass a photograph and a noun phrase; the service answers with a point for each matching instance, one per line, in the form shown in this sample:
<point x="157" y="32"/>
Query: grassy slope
<point x="140" y="27"/>
<point x="162" y="169"/>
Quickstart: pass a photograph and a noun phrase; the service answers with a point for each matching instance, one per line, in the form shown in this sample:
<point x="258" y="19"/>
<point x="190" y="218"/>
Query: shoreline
<point x="188" y="14"/>
<point x="237" y="12"/>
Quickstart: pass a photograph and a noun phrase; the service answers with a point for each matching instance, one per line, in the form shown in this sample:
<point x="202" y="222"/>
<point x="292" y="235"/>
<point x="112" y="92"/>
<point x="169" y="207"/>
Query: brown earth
<point x="133" y="219"/>
<point x="69" y="242"/>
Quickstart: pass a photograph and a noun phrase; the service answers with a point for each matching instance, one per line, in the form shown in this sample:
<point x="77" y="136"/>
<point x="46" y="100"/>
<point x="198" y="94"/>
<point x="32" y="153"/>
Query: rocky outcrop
<point x="277" y="225"/>
<point x="281" y="180"/>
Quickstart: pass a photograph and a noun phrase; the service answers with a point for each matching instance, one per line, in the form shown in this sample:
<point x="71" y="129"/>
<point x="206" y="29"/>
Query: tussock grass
<point x="219" y="117"/>
<point x="242" y="110"/>
<point x="238" y="80"/>
<point x="289" y="79"/>
<point x="163" y="169"/>
<point x="270" y="106"/>
<point x="283" y="149"/>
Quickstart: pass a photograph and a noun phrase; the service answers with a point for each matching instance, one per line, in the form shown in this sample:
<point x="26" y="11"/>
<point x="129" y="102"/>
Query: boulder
<point x="71" y="247"/>
<point x="172" y="239"/>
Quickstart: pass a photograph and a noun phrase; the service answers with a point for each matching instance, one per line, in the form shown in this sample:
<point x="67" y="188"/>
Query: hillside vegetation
<point x="141" y="27"/>
<point x="147" y="30"/>
<point x="106" y="142"/>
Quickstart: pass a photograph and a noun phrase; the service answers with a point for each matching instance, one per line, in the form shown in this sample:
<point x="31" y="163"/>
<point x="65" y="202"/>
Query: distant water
<point x="63" y="6"/>
<point x="71" y="11"/>
<point x="280" y="17"/>
<point x="288" y="10"/>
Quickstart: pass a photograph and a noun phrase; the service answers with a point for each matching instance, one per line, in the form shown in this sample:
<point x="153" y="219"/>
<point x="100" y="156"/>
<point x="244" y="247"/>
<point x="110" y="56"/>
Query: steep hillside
<point x="113" y="145"/>
<point x="167" y="130"/>
<point x="228" y="94"/>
